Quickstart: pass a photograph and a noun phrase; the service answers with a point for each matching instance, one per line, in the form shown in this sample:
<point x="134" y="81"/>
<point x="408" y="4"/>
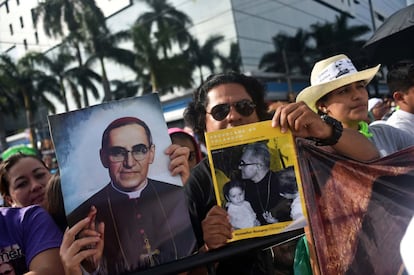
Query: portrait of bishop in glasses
<point x="145" y="219"/>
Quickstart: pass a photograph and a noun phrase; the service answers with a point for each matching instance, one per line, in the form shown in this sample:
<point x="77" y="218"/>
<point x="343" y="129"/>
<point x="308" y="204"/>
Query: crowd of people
<point x="333" y="113"/>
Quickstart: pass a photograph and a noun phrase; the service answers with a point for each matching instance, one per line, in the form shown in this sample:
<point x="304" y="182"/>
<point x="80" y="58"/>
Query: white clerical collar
<point x="133" y="194"/>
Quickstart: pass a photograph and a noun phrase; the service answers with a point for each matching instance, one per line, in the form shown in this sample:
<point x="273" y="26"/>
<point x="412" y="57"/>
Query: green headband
<point x="18" y="149"/>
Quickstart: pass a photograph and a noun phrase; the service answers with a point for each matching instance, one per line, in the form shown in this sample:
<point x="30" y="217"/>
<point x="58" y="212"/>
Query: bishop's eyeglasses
<point x="118" y="154"/>
<point x="243" y="164"/>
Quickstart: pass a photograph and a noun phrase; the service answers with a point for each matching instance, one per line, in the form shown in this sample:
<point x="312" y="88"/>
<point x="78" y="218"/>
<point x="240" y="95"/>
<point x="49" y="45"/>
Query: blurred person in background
<point x="377" y="109"/>
<point x="400" y="81"/>
<point x="185" y="139"/>
<point x="47" y="150"/>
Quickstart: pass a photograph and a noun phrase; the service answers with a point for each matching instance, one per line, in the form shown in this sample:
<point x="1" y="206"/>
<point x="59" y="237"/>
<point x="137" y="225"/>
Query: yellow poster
<point x="256" y="179"/>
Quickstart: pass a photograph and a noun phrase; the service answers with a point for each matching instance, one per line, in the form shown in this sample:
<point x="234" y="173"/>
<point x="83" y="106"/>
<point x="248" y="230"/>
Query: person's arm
<point x="42" y="239"/>
<point x="179" y="161"/>
<point x="305" y="123"/>
<point x="46" y="262"/>
<point x="354" y="145"/>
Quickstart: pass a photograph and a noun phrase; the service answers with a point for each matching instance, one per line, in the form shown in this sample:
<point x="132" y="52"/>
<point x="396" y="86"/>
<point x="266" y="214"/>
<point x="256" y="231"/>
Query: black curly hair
<point x="400" y="76"/>
<point x="195" y="113"/>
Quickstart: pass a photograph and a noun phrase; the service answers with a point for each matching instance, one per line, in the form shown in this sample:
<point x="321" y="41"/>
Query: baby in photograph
<point x="240" y="211"/>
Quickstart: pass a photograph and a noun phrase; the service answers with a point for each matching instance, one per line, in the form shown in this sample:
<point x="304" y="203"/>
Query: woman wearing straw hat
<point x="338" y="94"/>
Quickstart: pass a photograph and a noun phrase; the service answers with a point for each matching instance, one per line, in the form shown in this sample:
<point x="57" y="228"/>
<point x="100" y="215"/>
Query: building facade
<point x="251" y="24"/>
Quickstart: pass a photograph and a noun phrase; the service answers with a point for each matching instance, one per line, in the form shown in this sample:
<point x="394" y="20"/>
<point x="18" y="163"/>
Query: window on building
<point x="32" y="11"/>
<point x="37" y="38"/>
<point x="21" y="22"/>
<point x="6" y="4"/>
<point x="25" y="44"/>
<point x="11" y="29"/>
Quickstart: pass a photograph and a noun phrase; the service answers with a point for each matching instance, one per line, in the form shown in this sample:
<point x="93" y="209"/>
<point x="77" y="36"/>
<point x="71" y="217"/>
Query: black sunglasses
<point x="244" y="107"/>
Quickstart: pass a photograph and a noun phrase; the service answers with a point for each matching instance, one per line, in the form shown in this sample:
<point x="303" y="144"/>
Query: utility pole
<point x="371" y="10"/>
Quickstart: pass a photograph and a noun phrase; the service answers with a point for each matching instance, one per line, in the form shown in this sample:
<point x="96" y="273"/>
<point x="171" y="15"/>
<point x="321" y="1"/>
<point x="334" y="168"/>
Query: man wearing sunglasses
<point x="145" y="220"/>
<point x="228" y="100"/>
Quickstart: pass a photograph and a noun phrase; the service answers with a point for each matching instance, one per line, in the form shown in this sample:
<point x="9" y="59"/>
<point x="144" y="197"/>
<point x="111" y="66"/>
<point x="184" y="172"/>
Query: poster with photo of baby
<point x="256" y="179"/>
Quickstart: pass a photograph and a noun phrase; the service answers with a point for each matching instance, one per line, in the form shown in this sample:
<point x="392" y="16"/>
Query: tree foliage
<point x="29" y="86"/>
<point x="297" y="53"/>
<point x="204" y="55"/>
<point x="163" y="56"/>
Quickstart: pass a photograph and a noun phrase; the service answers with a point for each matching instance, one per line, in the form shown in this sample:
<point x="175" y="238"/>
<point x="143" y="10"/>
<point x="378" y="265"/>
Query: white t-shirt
<point x="402" y="120"/>
<point x="406" y="249"/>
<point x="389" y="139"/>
<point x="241" y="216"/>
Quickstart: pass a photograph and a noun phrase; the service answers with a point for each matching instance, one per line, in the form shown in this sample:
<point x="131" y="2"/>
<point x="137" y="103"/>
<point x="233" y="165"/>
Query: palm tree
<point x="86" y="78"/>
<point x="338" y="37"/>
<point x="168" y="24"/>
<point x="161" y="73"/>
<point x="8" y="105"/>
<point x="100" y="45"/>
<point x="29" y="85"/>
<point x="8" y="101"/>
<point x="124" y="89"/>
<point x="57" y="66"/>
<point x="61" y="67"/>
<point x="57" y="15"/>
<point x="233" y="61"/>
<point x="343" y="39"/>
<point x="204" y="55"/>
<point x="291" y="54"/>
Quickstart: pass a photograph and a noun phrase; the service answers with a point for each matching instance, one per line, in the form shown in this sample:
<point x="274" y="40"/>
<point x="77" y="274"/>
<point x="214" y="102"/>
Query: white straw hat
<point x="330" y="74"/>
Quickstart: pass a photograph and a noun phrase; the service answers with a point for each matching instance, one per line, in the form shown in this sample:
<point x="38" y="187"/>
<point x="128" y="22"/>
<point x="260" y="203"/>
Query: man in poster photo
<point x="146" y="221"/>
<point x="263" y="188"/>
